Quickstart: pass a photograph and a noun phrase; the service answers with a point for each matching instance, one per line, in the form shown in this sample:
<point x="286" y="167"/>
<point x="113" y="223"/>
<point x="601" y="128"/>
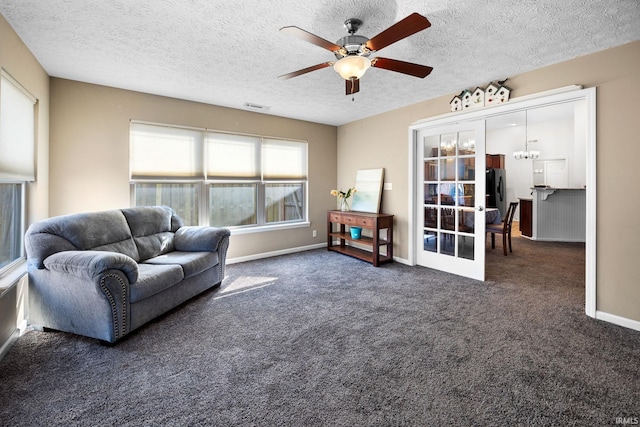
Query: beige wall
<point x="20" y="63"/>
<point x="90" y="151"/>
<point x="382" y="141"/>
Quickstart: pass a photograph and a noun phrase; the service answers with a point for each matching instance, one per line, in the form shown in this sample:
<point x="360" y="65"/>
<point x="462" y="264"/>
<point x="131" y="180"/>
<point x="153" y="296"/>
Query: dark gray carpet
<point x="321" y="339"/>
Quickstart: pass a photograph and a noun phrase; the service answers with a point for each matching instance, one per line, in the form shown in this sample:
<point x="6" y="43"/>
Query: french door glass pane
<point x="232" y="205"/>
<point x="447" y="244"/>
<point x="430" y="217"/>
<point x="430" y="194"/>
<point x="284" y="202"/>
<point x="431" y="170"/>
<point x="469" y="191"/>
<point x="448" y="144"/>
<point x="467" y="144"/>
<point x="468" y="171"/>
<point x="448" y="169"/>
<point x="181" y="197"/>
<point x="465" y="247"/>
<point x="430" y="241"/>
<point x="431" y="146"/>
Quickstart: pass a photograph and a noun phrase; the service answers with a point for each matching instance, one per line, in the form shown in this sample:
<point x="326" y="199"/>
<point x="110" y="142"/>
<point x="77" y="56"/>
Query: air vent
<point x="256" y="107"/>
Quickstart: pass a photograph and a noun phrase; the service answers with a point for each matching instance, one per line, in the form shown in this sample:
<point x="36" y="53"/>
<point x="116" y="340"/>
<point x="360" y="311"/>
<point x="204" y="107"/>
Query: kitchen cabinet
<point x="495" y="161"/>
<point x="526" y="218"/>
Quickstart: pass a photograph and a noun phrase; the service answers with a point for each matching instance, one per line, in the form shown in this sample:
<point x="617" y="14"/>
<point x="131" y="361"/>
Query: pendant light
<point x="526" y="154"/>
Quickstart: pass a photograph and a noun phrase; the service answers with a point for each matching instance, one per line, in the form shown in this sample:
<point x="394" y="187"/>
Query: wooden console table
<point x="381" y="249"/>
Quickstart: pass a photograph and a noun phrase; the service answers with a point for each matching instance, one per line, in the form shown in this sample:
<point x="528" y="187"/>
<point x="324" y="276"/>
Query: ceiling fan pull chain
<point x="353" y="89"/>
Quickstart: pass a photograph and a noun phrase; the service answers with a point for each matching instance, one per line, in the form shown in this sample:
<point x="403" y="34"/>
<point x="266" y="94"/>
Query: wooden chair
<point x="504" y="228"/>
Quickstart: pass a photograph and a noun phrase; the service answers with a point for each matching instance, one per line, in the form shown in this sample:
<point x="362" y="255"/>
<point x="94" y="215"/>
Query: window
<point x="217" y="178"/>
<point x="285" y="171"/>
<point x="165" y="165"/>
<point x="11" y="228"/>
<point x="17" y="165"/>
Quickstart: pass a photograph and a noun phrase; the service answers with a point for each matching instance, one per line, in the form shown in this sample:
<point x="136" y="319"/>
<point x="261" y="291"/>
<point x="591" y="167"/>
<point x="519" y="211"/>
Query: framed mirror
<point x="369" y="190"/>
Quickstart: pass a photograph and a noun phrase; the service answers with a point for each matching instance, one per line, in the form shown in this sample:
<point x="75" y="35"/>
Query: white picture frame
<point x="369" y="190"/>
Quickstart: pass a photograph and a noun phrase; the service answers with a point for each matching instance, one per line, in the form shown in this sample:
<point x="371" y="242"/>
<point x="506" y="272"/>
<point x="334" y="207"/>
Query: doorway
<point x="585" y="160"/>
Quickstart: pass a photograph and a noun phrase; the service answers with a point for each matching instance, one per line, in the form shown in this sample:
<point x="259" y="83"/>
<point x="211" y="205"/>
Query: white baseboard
<point x="617" y="320"/>
<point x="402" y="261"/>
<point x="291" y="251"/>
<point x="6" y="346"/>
<point x="275" y="253"/>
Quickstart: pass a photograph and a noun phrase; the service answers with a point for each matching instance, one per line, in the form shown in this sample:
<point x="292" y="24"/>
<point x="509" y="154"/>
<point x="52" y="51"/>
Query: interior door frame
<point x="561" y="95"/>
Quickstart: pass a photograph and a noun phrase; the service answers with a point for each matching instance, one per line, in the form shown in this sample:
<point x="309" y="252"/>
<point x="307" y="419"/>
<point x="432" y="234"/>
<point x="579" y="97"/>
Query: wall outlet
<point x="315" y="233"/>
<point x="388" y="186"/>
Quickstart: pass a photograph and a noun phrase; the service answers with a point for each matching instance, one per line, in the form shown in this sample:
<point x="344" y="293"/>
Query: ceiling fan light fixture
<point x="352" y="66"/>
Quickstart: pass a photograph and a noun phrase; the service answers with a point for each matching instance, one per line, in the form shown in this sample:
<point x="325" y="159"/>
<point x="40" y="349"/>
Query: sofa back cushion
<point x="102" y="231"/>
<point x="152" y="228"/>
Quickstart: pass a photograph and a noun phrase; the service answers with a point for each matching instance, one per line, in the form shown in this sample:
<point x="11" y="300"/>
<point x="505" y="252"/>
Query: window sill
<point x="264" y="228"/>
<point x="12" y="277"/>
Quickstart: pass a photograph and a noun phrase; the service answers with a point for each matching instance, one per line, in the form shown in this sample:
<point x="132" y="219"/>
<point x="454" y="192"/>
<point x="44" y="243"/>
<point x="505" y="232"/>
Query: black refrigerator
<point x="497" y="190"/>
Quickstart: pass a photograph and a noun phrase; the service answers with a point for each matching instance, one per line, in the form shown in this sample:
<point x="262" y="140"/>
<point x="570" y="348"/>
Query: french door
<point x="451" y="198"/>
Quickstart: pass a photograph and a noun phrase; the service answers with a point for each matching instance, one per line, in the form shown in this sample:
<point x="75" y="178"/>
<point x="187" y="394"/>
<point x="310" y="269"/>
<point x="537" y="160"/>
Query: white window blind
<point x="233" y="156"/>
<point x="284" y="160"/>
<point x="165" y="152"/>
<point x="17" y="131"/>
<point x="232" y="180"/>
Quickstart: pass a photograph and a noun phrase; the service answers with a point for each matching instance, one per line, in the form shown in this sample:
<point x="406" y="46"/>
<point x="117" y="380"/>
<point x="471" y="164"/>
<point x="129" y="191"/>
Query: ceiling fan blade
<point x="409" y="68"/>
<point x="401" y="29"/>
<point x="306" y="70"/>
<point x="352" y="86"/>
<point x="311" y="38"/>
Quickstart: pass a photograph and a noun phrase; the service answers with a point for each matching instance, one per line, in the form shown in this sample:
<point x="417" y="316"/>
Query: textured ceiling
<point x="230" y="52"/>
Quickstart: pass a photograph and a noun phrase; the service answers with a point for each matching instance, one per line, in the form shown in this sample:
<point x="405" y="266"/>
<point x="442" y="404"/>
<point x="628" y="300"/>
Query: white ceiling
<point x="230" y="53"/>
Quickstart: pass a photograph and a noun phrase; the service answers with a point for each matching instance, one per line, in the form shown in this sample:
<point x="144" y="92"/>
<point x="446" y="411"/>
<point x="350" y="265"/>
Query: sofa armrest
<point x="90" y="264"/>
<point x="195" y="238"/>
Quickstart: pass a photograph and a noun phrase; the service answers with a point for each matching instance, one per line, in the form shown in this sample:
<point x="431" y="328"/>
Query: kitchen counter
<point x="559" y="214"/>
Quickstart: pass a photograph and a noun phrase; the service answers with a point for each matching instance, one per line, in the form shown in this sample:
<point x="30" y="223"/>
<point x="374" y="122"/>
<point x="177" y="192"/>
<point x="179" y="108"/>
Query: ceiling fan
<point x="352" y="52"/>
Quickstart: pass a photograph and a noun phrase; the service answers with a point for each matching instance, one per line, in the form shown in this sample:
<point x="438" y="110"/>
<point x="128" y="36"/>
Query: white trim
<point x="591" y="207"/>
<point x="411" y="168"/>
<point x="490" y="110"/>
<point x="270" y="227"/>
<point x="508" y="107"/>
<point x="617" y="320"/>
<point x="13" y="276"/>
<point x="402" y="261"/>
<point x="294" y="250"/>
<point x="275" y="253"/>
<point x="6" y="346"/>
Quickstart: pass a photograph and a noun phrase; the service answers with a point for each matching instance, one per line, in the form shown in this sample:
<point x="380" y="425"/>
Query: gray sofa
<point x="104" y="274"/>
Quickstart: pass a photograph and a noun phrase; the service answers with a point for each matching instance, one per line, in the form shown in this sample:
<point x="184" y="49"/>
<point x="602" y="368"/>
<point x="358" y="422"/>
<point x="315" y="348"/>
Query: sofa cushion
<point x="153" y="279"/>
<point x="194" y="239"/>
<point x="152" y="228"/>
<point x="192" y="263"/>
<point x="104" y="231"/>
